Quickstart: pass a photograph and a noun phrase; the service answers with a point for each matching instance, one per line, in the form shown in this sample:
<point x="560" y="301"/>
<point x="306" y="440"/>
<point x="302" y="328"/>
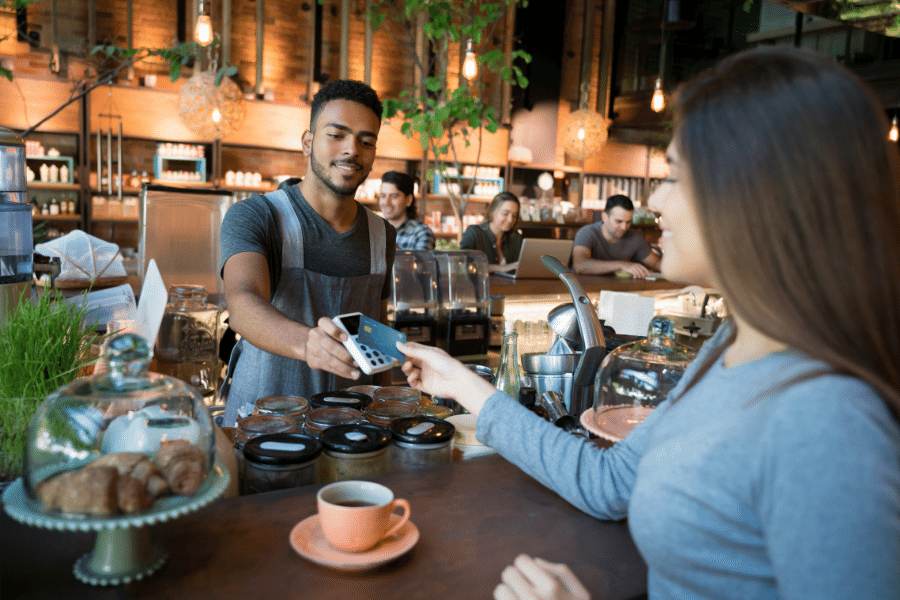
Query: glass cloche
<point x="115" y="443"/>
<point x="636" y="377"/>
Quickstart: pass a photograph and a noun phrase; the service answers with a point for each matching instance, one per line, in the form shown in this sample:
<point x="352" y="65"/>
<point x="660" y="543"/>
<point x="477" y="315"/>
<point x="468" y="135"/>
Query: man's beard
<point x="321" y="172"/>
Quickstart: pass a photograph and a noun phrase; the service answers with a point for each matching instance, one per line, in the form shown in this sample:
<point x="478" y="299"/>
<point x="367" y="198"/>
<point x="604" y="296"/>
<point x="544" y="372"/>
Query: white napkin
<point x="627" y="313"/>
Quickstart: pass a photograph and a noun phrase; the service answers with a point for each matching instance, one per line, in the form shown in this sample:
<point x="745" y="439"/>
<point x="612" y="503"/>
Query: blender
<point x="464" y="320"/>
<point x="413" y="305"/>
<point x="16" y="247"/>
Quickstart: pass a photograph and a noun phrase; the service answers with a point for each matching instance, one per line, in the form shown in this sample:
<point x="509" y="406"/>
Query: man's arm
<point x="247" y="291"/>
<point x="652" y="261"/>
<point x="585" y="265"/>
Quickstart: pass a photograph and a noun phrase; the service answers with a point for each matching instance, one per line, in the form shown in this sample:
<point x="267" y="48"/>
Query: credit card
<point x="381" y="337"/>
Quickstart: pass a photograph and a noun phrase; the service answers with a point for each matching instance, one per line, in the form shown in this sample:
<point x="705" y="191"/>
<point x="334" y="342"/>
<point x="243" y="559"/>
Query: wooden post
<point x="344" y="69"/>
<point x="226" y="32"/>
<point x="604" y="85"/>
<point x="367" y="58"/>
<point x="260" y="32"/>
<point x="505" y="86"/>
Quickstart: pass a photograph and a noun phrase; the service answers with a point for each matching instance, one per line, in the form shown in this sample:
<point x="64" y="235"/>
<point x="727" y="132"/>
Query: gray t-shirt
<point x="251" y="226"/>
<point x="741" y="488"/>
<point x="632" y="247"/>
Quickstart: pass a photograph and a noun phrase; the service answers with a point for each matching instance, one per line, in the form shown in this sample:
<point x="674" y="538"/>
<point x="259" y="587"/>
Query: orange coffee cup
<point x="356" y="515"/>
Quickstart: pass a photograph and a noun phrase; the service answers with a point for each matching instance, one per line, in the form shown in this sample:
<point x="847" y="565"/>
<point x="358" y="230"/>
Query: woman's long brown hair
<point x="796" y="185"/>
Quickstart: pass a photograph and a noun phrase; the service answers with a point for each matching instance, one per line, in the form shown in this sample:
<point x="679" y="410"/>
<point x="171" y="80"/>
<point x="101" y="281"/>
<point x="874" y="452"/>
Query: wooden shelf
<point x="58" y="218"/>
<point x="549" y="224"/>
<point x="114" y="219"/>
<point x="41" y="185"/>
<point x="550" y="168"/>
<point x="476" y="199"/>
<point x="445" y="235"/>
<point x="248" y="188"/>
<point x="126" y="191"/>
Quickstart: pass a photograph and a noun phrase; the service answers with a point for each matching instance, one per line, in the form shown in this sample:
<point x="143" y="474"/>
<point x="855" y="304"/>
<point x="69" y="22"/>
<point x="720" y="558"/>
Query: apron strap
<point x="289" y="228"/>
<point x="377" y="243"/>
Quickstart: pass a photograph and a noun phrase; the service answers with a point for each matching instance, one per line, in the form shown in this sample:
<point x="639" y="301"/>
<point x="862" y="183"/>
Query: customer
<point x="773" y="468"/>
<point x="398" y="205"/>
<point x="611" y="245"/>
<point x="497" y="237"/>
<point x="294" y="258"/>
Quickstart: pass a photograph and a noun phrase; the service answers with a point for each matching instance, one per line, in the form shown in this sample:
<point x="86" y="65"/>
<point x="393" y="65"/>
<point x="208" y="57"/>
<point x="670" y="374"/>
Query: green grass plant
<point x="43" y="345"/>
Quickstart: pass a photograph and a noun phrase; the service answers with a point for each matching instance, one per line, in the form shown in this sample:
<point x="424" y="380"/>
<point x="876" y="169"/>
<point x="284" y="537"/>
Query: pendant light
<point x="203" y="28"/>
<point x="470" y="65"/>
<point x="658" y="102"/>
<point x="894" y="133"/>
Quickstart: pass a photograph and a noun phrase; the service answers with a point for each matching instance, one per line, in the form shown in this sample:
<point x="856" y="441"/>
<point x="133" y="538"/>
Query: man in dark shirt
<point x="296" y="257"/>
<point x="611" y="246"/>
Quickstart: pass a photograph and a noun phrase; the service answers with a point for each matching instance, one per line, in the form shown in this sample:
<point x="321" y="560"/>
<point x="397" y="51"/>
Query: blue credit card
<point x="381" y="337"/>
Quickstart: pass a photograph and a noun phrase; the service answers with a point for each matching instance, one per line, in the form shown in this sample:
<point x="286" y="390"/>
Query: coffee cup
<point x="356" y="515"/>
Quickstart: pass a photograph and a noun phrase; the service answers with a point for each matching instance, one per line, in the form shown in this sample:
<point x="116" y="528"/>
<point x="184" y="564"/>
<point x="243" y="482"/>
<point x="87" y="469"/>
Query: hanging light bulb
<point x="216" y="115"/>
<point x="894" y="133"/>
<point x="470" y="64"/>
<point x="203" y="29"/>
<point x="580" y="134"/>
<point x="658" y="102"/>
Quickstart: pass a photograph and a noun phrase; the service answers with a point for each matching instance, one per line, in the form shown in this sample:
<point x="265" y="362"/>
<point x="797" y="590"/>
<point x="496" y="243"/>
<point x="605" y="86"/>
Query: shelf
<point x="248" y="188"/>
<point x="546" y="224"/>
<point x="114" y="219"/>
<point x="59" y="187"/>
<point x="184" y="158"/>
<point x="58" y="218"/>
<point x="477" y="199"/>
<point x="550" y="168"/>
<point x="191" y="184"/>
<point x="445" y="235"/>
<point x="126" y="191"/>
<point x="64" y="159"/>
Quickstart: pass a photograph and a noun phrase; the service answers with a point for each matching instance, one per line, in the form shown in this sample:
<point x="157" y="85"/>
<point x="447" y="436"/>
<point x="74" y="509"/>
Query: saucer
<point x="617" y="424"/>
<point x="308" y="540"/>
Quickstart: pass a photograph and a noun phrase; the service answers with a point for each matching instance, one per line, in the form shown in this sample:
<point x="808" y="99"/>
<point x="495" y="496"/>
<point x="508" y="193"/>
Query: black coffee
<point x="355" y="503"/>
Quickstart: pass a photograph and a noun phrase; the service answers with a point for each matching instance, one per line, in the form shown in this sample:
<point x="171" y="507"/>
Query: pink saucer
<point x="309" y="542"/>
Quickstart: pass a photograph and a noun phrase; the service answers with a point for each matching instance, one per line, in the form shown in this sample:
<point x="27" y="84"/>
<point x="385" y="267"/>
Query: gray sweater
<point x="734" y="491"/>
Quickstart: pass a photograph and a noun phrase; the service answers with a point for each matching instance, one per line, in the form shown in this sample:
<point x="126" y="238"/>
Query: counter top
<point x="474" y="518"/>
<point x="591" y="284"/>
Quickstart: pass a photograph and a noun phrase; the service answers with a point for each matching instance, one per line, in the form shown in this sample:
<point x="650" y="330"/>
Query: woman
<point x="398" y="206"/>
<point x="773" y="468"/>
<point x="497" y="237"/>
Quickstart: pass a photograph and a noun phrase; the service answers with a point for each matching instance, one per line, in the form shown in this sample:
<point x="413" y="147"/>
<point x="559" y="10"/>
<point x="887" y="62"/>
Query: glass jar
<point x="188" y="343"/>
<point x="431" y="409"/>
<point x="320" y="419"/>
<point x="405" y="394"/>
<point x="354" y="452"/>
<point x="368" y="390"/>
<point x="292" y="407"/>
<point x="636" y="377"/>
<point x="279" y="461"/>
<point x="384" y="412"/>
<point x="89" y="434"/>
<point x="340" y="399"/>
<point x="421" y="442"/>
<point x="257" y="425"/>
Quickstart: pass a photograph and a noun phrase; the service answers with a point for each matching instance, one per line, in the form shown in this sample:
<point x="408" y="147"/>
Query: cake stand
<point x="124" y="550"/>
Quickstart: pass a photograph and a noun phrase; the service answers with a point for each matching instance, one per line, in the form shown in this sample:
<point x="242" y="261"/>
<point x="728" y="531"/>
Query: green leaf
<point x="4" y="72"/>
<point x="433" y="84"/>
<point x="175" y="71"/>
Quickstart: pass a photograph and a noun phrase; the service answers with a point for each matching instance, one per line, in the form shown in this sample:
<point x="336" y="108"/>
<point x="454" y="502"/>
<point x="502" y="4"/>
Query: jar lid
<point x="341" y="399"/>
<point x="263" y="424"/>
<point x="392" y="409"/>
<point x="282" y="405"/>
<point x="356" y="439"/>
<point x="422" y="430"/>
<point x="331" y="415"/>
<point x="282" y="449"/>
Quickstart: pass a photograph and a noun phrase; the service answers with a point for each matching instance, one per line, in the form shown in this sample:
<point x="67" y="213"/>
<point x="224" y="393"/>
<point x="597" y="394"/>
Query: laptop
<point x="530" y="265"/>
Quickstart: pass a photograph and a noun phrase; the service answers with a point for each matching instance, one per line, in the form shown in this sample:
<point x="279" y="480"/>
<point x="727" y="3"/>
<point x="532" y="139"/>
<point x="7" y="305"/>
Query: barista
<point x="296" y="257"/>
<point x="497" y="237"/>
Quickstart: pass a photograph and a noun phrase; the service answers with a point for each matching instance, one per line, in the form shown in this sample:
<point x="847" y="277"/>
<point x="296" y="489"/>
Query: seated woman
<point x="397" y="202"/>
<point x="773" y="468"/>
<point x="497" y="237"/>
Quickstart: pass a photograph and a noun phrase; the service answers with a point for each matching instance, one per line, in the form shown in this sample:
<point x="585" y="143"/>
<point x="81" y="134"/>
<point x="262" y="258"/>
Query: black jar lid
<point x="341" y="399"/>
<point x="355" y="439"/>
<point x="282" y="449"/>
<point x="422" y="430"/>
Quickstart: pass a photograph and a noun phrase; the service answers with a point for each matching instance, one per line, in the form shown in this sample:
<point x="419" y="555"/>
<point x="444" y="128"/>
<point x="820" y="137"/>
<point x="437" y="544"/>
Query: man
<point x="296" y="257"/>
<point x="610" y="246"/>
<point x="397" y="202"/>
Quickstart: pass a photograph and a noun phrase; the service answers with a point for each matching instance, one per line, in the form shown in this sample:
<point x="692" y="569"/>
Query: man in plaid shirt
<point x="398" y="206"/>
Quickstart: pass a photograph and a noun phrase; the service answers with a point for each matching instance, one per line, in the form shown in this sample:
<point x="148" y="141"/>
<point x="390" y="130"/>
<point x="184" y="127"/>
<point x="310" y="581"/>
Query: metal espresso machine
<point x="16" y="244"/>
<point x="464" y="319"/>
<point x="413" y="304"/>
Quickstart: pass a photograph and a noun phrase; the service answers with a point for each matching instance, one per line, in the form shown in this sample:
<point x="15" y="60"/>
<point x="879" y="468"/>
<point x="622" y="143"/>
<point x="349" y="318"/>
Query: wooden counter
<point x="474" y="518"/>
<point x="591" y="283"/>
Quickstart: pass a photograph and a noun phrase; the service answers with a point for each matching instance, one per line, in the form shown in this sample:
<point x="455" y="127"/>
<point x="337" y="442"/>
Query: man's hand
<point x="636" y="270"/>
<point x="536" y="579"/>
<point x="325" y="352"/>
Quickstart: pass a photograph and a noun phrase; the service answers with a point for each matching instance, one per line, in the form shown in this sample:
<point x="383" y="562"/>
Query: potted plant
<point x="43" y="345"/>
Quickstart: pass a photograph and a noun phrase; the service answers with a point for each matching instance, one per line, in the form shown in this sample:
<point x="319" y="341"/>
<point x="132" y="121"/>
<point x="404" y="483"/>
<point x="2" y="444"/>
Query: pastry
<point x="183" y="464"/>
<point x="132" y="495"/>
<point x="87" y="491"/>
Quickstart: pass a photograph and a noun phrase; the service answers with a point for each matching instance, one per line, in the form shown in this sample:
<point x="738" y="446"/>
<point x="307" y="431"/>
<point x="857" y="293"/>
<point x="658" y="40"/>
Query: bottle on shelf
<point x="54" y="206"/>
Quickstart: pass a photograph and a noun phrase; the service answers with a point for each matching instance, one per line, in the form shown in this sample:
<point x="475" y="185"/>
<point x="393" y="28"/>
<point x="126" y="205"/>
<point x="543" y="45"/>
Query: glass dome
<point x="636" y="377"/>
<point x="116" y="442"/>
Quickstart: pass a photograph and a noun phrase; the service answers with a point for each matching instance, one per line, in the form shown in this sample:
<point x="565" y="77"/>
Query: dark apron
<point x="303" y="296"/>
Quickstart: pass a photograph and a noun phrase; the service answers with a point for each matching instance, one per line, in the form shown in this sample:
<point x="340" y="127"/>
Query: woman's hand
<point x="433" y="371"/>
<point x="536" y="579"/>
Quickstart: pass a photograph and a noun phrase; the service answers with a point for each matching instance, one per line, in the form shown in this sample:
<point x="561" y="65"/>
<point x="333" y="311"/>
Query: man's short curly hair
<point x="345" y="89"/>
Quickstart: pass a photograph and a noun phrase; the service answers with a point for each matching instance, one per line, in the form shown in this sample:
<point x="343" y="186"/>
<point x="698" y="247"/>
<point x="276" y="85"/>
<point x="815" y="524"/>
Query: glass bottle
<point x="509" y="379"/>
